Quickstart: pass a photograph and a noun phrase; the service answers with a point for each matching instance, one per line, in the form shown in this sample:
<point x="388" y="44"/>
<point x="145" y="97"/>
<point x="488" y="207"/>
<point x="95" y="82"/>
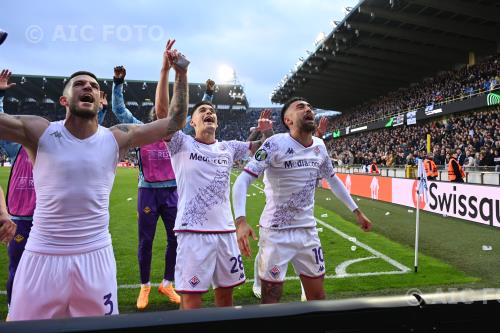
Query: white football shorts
<point x="61" y="286"/>
<point x="300" y="246"/>
<point x="207" y="259"/>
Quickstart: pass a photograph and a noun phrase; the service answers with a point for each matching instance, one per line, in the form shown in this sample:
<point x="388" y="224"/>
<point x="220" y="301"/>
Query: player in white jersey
<point x="291" y="163"/>
<point x="69" y="249"/>
<point x="207" y="250"/>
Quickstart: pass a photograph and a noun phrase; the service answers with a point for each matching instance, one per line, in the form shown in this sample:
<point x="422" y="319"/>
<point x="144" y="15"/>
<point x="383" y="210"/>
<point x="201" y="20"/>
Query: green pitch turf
<point x="357" y="263"/>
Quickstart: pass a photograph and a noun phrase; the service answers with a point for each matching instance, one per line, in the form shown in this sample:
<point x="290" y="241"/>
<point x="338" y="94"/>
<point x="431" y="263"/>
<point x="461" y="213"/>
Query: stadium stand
<point x="39" y="95"/>
<point x="387" y="59"/>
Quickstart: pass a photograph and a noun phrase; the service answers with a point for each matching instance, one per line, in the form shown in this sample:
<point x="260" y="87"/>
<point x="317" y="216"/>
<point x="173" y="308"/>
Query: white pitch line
<point x="342" y="268"/>
<point x="376" y="253"/>
<point x="401" y="268"/>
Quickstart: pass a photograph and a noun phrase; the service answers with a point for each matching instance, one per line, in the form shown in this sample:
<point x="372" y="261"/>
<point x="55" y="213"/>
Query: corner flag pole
<point x="417" y="229"/>
<point x="422" y="188"/>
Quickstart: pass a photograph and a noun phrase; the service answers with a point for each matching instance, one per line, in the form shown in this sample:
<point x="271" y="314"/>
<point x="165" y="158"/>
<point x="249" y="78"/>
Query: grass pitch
<point x="357" y="263"/>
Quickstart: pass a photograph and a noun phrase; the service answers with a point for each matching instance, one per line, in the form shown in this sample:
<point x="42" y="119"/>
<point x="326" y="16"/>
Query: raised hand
<point x="4" y="80"/>
<point x="120" y="72"/>
<point x="103" y="100"/>
<point x="322" y="127"/>
<point x="167" y="60"/>
<point x="210" y="85"/>
<point x="265" y="123"/>
<point x="179" y="61"/>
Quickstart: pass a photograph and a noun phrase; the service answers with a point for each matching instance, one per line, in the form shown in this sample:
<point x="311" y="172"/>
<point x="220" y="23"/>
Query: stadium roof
<point x="382" y="45"/>
<point x="39" y="87"/>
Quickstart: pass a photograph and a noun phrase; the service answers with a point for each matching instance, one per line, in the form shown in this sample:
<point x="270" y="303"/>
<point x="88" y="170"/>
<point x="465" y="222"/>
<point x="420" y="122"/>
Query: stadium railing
<point x="473" y="175"/>
<point x="457" y="311"/>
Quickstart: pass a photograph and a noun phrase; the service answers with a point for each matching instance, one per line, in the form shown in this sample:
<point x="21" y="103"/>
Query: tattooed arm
<point x="25" y="130"/>
<point x="265" y="126"/>
<point x="129" y="136"/>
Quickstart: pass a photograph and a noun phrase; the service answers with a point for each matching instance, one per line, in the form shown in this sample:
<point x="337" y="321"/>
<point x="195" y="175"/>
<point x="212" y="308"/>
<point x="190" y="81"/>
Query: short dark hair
<point x="197" y="105"/>
<point x="79" y="73"/>
<point x="287" y="105"/>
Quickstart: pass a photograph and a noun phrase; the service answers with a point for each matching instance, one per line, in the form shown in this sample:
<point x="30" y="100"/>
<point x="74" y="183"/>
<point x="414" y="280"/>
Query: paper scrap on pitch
<point x="319" y="229"/>
<point x="352" y="239"/>
<point x="410" y="210"/>
<point x="328" y="198"/>
<point x="129" y="199"/>
<point x="487" y="248"/>
<point x="387" y="213"/>
<point x="253" y="194"/>
<point x="248" y="195"/>
<point x="324" y="215"/>
<point x="353" y="248"/>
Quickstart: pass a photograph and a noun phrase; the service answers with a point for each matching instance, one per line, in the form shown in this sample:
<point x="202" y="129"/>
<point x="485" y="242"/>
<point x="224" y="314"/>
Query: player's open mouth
<point x="87" y="98"/>
<point x="309" y="117"/>
<point x="209" y="119"/>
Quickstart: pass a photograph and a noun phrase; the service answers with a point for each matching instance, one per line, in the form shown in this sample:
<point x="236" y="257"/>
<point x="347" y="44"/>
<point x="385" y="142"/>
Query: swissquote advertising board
<point x="474" y="203"/>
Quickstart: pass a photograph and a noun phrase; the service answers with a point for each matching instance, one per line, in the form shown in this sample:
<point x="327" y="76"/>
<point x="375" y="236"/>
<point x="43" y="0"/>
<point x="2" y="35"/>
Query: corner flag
<point x="422" y="188"/>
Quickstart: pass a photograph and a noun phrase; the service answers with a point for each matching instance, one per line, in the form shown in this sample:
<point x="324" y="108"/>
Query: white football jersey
<point x="290" y="175"/>
<point x="73" y="181"/>
<point x="203" y="174"/>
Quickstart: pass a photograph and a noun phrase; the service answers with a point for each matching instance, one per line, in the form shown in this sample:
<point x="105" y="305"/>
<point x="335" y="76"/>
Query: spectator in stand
<point x="470" y="161"/>
<point x="374" y="168"/>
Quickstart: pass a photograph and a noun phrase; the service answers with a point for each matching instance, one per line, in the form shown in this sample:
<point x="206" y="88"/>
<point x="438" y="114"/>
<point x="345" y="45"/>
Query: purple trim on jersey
<point x="251" y="173"/>
<point x="205" y="142"/>
<point x="190" y="291"/>
<point x="250" y="146"/>
<point x="205" y="231"/>
<point x="313" y="277"/>
<point x="312" y="142"/>
<point x="155" y="162"/>
<point x="21" y="198"/>
<point x="232" y="286"/>
<point x="275" y="282"/>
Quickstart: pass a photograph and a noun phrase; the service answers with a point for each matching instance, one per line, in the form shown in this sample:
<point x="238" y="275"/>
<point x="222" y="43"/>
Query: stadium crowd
<point x="444" y="87"/>
<point x="475" y="136"/>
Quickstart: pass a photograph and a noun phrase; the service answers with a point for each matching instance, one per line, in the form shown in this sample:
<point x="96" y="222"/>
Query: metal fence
<point x="473" y="175"/>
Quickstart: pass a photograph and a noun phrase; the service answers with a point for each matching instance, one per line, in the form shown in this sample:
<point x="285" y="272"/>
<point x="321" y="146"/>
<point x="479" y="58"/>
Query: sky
<point x="260" y="39"/>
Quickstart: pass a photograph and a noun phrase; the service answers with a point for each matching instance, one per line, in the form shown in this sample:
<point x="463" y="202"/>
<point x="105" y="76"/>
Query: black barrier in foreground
<point x="444" y="312"/>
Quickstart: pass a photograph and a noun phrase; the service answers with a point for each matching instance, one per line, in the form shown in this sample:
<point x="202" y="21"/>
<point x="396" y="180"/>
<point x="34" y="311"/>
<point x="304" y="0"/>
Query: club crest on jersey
<point x="194" y="281"/>
<point x="242" y="276"/>
<point x="316" y="150"/>
<point x="321" y="268"/>
<point x="147" y="210"/>
<point x="275" y="271"/>
<point x="261" y="154"/>
<point x="19" y="238"/>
